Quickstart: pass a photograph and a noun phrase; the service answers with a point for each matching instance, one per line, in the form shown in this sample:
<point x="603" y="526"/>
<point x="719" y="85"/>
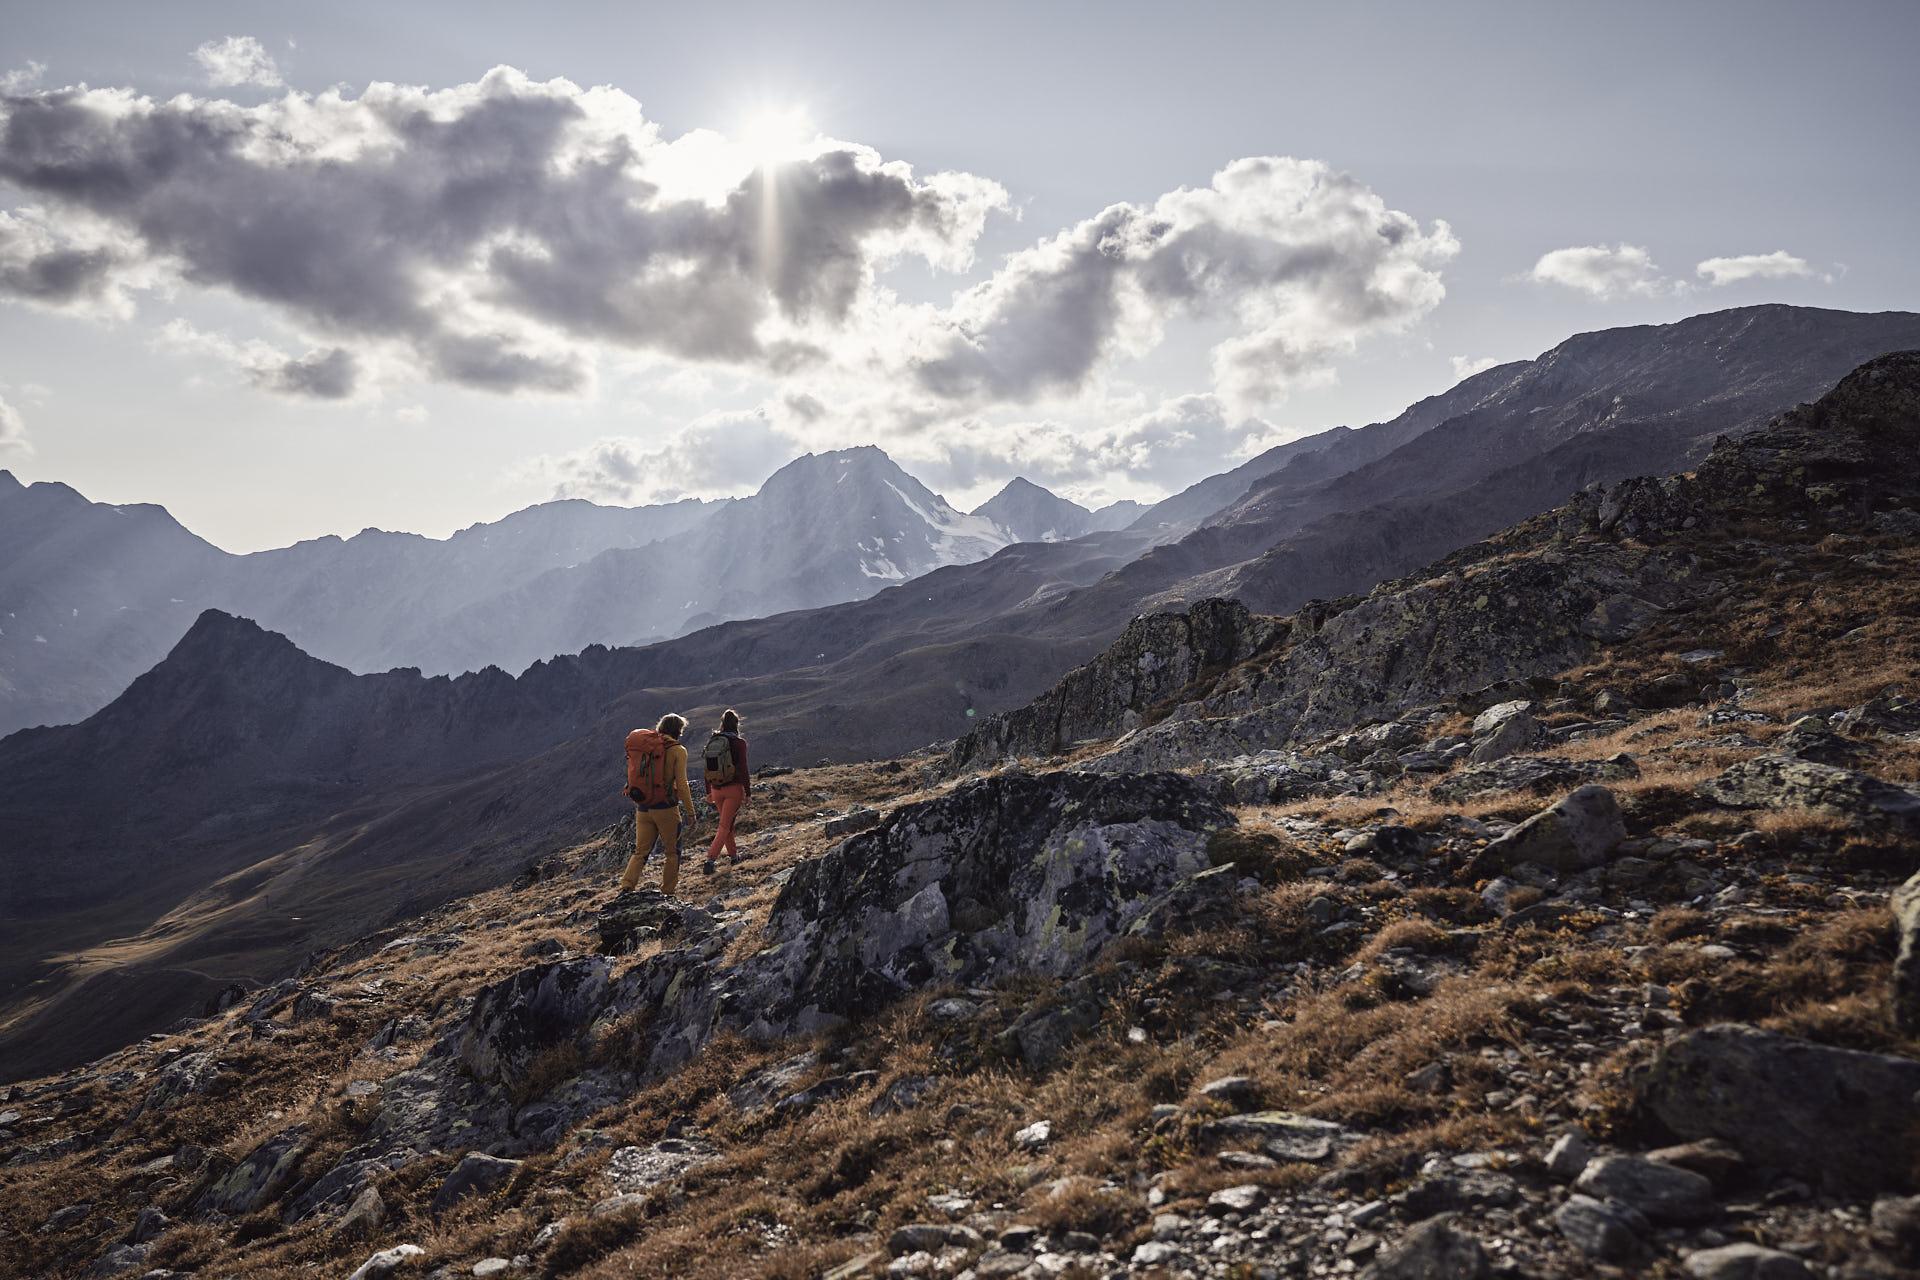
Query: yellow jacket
<point x="677" y="770"/>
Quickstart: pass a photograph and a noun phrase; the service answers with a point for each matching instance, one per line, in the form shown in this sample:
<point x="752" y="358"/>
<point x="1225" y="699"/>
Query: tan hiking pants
<point x="648" y="825"/>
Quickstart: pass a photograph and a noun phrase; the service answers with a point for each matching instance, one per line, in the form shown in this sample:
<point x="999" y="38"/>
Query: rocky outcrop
<point x="1782" y="782"/>
<point x="1156" y="658"/>
<point x="537" y="1010"/>
<point x="1841" y="1118"/>
<point x="1012" y="874"/>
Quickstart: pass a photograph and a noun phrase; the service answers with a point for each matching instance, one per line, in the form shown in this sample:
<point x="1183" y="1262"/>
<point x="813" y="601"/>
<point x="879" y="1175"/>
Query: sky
<point x="298" y="270"/>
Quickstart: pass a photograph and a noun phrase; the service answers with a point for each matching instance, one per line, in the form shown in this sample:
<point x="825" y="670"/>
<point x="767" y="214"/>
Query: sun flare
<point x="776" y="135"/>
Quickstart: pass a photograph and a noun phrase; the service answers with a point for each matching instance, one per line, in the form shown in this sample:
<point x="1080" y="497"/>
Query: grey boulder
<point x="1839" y="1118"/>
<point x="1574" y="834"/>
<point x="1745" y="1262"/>
<point x="476" y="1174"/>
<point x="1783" y="782"/>
<point x="1604" y="1230"/>
<point x="1663" y="1192"/>
<point x="1432" y="1250"/>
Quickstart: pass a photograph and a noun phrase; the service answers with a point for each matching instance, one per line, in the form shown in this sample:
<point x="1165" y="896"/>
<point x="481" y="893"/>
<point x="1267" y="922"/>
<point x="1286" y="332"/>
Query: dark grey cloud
<point x="37" y="266"/>
<point x="481" y="227"/>
<point x="321" y="375"/>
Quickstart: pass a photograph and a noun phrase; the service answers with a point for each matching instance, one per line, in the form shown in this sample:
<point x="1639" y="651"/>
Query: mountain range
<point x="95" y="593"/>
<point x="243" y="801"/>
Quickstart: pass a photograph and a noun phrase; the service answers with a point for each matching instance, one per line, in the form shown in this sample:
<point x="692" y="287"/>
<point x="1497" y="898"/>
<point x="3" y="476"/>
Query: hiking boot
<point x="706" y="868"/>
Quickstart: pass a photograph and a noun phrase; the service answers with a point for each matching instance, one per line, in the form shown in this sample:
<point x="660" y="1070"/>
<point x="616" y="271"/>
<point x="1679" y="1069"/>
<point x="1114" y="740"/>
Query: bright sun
<point x="773" y="137"/>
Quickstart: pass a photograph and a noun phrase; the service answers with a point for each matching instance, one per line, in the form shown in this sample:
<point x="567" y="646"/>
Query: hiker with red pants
<point x="728" y="785"/>
<point x="657" y="785"/>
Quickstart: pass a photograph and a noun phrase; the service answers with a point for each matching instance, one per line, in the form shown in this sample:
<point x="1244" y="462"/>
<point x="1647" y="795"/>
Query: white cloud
<point x="13" y="433"/>
<point x="1778" y="265"/>
<point x="1465" y="367"/>
<point x="1168" y="446"/>
<point x="323" y="373"/>
<point x="512" y="235"/>
<point x="497" y="233"/>
<point x="412" y="414"/>
<point x="1306" y="260"/>
<point x="237" y="61"/>
<point x="715" y="456"/>
<point x="1601" y="272"/>
<point x="21" y="79"/>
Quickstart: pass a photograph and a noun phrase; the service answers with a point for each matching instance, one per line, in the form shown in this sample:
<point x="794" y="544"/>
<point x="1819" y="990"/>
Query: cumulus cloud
<point x="21" y="79"/>
<point x="65" y="271"/>
<point x="495" y="231"/>
<point x="330" y="373"/>
<point x="237" y="61"/>
<point x="1778" y="265"/>
<point x="1307" y="260"/>
<point x="716" y="455"/>
<point x="1465" y="367"/>
<point x="1599" y="271"/>
<point x="13" y="432"/>
<point x="1181" y="440"/>
<point x="512" y="235"/>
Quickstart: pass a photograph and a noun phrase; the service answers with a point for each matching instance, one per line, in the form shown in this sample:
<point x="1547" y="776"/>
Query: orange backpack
<point x="647" y="783"/>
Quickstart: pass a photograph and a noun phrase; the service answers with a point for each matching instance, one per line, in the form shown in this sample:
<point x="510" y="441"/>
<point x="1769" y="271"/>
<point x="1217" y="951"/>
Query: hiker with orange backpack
<point x="656" y="779"/>
<point x="728" y="785"/>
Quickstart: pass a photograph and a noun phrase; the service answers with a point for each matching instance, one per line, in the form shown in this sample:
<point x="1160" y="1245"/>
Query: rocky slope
<point x="1551" y="913"/>
<point x="262" y="851"/>
<point x="1504" y="445"/>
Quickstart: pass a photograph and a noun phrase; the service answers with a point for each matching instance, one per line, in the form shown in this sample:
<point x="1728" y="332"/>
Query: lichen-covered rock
<point x="185" y="1077"/>
<point x="476" y="1174"/>
<point x="264" y="1173"/>
<point x="1809" y="738"/>
<point x="639" y="1168"/>
<point x="1414" y="643"/>
<point x="1575" y="833"/>
<point x="1529" y="773"/>
<point x="1782" y="782"/>
<point x="644" y="915"/>
<point x="1889" y="715"/>
<point x="535" y="1010"/>
<point x="1504" y="730"/>
<point x="859" y="818"/>
<point x="1155" y="658"/>
<point x="1275" y="777"/>
<point x="1840" y="1118"/>
<point x="1604" y="1230"/>
<point x="1178" y="744"/>
<point x="387" y="1262"/>
<point x="1012" y="874"/>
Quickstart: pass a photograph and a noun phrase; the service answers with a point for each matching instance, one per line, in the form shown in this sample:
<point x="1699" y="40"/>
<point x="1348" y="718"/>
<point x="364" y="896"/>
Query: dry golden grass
<point x="792" y="1194"/>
